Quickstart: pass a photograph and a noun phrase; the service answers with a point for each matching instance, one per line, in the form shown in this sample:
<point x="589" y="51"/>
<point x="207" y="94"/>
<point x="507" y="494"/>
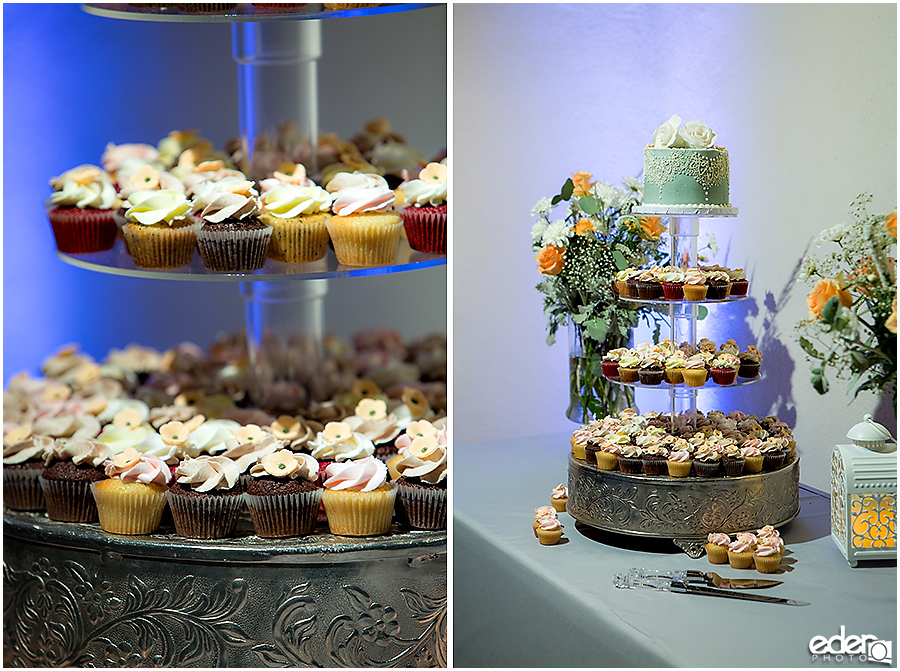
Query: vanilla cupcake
<point x="679" y="463"/>
<point x="549" y="531"/>
<point x="694" y="286"/>
<point x="358" y="499"/>
<point x="694" y="370"/>
<point x="559" y="497"/>
<point x="768" y="553"/>
<point x="158" y="230"/>
<point x="132" y="498"/>
<point x="298" y="216"/>
<point x="364" y="229"/>
<point x="541" y="514"/>
<point x="717" y="548"/>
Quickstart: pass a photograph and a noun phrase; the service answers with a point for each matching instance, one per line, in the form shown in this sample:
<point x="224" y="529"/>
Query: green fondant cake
<point x="686" y="177"/>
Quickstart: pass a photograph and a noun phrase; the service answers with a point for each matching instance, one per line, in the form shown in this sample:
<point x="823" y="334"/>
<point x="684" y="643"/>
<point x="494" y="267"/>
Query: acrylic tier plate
<point x="684" y="510"/>
<point x="76" y="596"/>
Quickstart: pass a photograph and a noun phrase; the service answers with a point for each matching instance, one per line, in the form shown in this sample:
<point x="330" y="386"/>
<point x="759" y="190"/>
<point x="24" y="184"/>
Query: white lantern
<point x="864" y="494"/>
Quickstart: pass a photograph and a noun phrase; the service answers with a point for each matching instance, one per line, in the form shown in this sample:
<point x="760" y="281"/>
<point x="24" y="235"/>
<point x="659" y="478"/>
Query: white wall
<point x="803" y="97"/>
<point x="73" y="82"/>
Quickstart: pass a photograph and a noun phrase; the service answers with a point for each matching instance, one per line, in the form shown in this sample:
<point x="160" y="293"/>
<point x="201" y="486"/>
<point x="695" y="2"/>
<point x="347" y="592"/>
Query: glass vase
<point x="591" y="395"/>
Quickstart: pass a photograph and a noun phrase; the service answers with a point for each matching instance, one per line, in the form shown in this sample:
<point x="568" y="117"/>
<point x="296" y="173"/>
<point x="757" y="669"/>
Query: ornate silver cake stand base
<point x="74" y="595"/>
<point x="685" y="510"/>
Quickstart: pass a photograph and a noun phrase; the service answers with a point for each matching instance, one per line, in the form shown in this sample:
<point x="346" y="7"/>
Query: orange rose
<point x="584" y="226"/>
<point x="823" y="292"/>
<point x="651" y="228"/>
<point x="891" y="323"/>
<point x="890" y="223"/>
<point x="582" y="182"/>
<point x="550" y="260"/>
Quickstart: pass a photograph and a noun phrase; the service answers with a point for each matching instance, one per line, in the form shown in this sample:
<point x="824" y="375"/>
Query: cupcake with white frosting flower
<point x="282" y="494"/>
<point x="423" y="476"/>
<point x="132" y="498"/>
<point x="297" y="215"/>
<point x="425" y="214"/>
<point x="158" y="230"/>
<point x="82" y="210"/>
<point x="206" y="497"/>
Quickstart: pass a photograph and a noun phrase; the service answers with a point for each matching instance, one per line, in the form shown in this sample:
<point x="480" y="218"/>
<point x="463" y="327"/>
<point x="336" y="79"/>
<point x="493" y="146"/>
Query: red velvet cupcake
<point x="425" y="214"/>
<point x="83" y="210"/>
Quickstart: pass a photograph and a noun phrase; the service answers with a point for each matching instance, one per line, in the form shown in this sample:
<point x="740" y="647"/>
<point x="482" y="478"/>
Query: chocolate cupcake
<point x="750" y="362"/>
<point x="652" y="370"/>
<point x="282" y="495"/>
<point x="230" y="236"/>
<point x="71" y="467"/>
<point x="719" y="285"/>
<point x="205" y="497"/>
<point x="631" y="459"/>
<point x="707" y="463"/>
<point x="654" y="460"/>
<point x="732" y="461"/>
<point x="23" y="462"/>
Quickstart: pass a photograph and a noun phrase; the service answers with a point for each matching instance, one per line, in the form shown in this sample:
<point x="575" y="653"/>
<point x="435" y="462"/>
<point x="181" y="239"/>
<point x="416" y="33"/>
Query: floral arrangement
<point x="579" y="256"/>
<point x="852" y="322"/>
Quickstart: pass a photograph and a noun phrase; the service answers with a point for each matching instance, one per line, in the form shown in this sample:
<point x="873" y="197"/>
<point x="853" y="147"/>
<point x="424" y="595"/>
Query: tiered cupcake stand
<point x="684" y="510"/>
<point x="75" y="595"/>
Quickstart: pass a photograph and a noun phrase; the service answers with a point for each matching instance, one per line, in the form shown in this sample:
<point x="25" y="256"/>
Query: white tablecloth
<point x="519" y="604"/>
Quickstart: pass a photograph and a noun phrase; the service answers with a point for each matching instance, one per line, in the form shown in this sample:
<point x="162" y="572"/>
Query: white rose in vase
<point x="697" y="135"/>
<point x="667" y="135"/>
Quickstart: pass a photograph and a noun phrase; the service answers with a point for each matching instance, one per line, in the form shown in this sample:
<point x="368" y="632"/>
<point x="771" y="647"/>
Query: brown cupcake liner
<point x="283" y="515"/>
<point x="233" y="251"/>
<point x="82" y="231"/>
<point x="426" y="228"/>
<point x="426" y="507"/>
<point x="205" y="516"/>
<point x="160" y="246"/>
<point x="361" y="243"/>
<point x="22" y="489"/>
<point x="298" y="240"/>
<point x="129" y="511"/>
<point x="69" y="500"/>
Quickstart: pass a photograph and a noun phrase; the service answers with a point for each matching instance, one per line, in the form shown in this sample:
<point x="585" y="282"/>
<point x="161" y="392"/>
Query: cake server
<point x="687" y="588"/>
<point x="644" y="576"/>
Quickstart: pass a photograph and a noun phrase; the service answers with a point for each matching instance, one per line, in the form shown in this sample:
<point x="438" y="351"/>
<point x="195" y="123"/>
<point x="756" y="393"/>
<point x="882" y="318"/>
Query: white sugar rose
<point x="697" y="135"/>
<point x="667" y="135"/>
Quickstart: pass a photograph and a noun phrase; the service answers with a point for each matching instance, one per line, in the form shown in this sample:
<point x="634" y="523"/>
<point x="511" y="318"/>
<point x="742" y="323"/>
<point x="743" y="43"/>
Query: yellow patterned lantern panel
<point x="874" y="520"/>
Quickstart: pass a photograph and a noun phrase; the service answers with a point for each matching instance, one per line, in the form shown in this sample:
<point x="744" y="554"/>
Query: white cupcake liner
<point x="22" y="490"/>
<point x="426" y="508"/>
<point x="282" y="515"/>
<point x="213" y="516"/>
<point x="69" y="500"/>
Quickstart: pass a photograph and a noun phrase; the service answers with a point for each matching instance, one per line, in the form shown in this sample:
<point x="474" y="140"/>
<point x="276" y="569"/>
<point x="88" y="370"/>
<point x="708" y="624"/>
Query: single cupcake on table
<point x="422" y="485"/>
<point x="71" y="467"/>
<point x="132" y="498"/>
<point x="83" y="210"/>
<point x="358" y="499"/>
<point x="629" y="366"/>
<point x="23" y="463"/>
<point x="694" y="286"/>
<point x="364" y="229"/>
<point x="740" y="551"/>
<point x="158" y="230"/>
<point x="540" y="514"/>
<point x="724" y="367"/>
<point x="298" y="217"/>
<point x="559" y="497"/>
<point x="230" y="235"/>
<point x="425" y="214"/>
<point x="206" y="497"/>
<point x="717" y="548"/>
<point x="694" y="370"/>
<point x="549" y="531"/>
<point x="750" y="361"/>
<point x="768" y="553"/>
<point x="283" y="495"/>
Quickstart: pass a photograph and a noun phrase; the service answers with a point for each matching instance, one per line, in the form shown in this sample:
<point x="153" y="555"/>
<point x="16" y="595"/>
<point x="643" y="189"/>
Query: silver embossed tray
<point x="684" y="510"/>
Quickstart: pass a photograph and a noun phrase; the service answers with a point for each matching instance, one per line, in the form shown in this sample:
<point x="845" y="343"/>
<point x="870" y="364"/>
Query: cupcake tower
<point x="111" y="444"/>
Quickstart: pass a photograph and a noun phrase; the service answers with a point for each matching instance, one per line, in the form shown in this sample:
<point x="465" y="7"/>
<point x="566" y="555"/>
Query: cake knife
<point x="688" y="588"/>
<point x="707" y="577"/>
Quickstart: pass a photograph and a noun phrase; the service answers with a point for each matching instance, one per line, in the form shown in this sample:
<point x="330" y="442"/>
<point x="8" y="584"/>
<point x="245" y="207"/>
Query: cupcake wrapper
<point x="706" y="469"/>
<point x="283" y="515"/>
<point x="717" y="292"/>
<point x="426" y="228"/>
<point x="649" y="291"/>
<point x="673" y="291"/>
<point x="69" y="500"/>
<point x="610" y="368"/>
<point x="679" y="469"/>
<point x="654" y="467"/>
<point x="675" y="375"/>
<point x="733" y="467"/>
<point x="233" y="251"/>
<point x="22" y="489"/>
<point x="205" y="517"/>
<point x="359" y="513"/>
<point x="651" y="377"/>
<point x="130" y="513"/>
<point x="753" y="464"/>
<point x="83" y="231"/>
<point x="425" y="508"/>
<point x="740" y="559"/>
<point x="358" y="243"/>
<point x="767" y="564"/>
<point x="739" y="287"/>
<point x="748" y="370"/>
<point x="158" y="246"/>
<point x="607" y="461"/>
<point x="723" y="375"/>
<point x="590" y="453"/>
<point x="628" y="374"/>
<point x="694" y="292"/>
<point x="716" y="554"/>
<point x="693" y="377"/>
<point x="548" y="537"/>
<point x="630" y="464"/>
<point x="772" y="462"/>
<point x="631" y="289"/>
<point x="297" y="241"/>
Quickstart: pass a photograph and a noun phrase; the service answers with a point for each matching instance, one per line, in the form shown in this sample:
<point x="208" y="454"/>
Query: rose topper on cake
<point x="693" y="135"/>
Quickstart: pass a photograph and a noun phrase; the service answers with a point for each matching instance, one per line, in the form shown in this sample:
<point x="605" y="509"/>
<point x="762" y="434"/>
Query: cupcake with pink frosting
<point x="768" y="553"/>
<point x="365" y="229"/>
<point x="358" y="499"/>
<point x="740" y="550"/>
<point x="717" y="548"/>
<point x="132" y="498"/>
